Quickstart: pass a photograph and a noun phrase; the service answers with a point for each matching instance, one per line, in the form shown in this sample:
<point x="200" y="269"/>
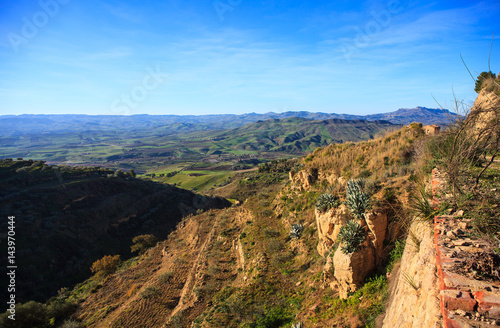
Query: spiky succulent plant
<point x="351" y="236"/>
<point x="357" y="200"/>
<point x="326" y="202"/>
<point x="296" y="231"/>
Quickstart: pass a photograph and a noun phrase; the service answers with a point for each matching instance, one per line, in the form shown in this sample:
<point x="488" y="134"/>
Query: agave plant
<point x="296" y="231"/>
<point x="358" y="201"/>
<point x="351" y="236"/>
<point x="326" y="202"/>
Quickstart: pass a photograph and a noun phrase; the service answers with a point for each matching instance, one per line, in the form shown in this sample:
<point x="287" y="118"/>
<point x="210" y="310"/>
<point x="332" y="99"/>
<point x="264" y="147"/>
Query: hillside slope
<point x="298" y="135"/>
<point x="240" y="267"/>
<point x="66" y="218"/>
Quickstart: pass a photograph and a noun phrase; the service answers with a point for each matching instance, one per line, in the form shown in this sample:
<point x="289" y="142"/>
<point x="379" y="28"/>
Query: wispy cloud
<point x="122" y="11"/>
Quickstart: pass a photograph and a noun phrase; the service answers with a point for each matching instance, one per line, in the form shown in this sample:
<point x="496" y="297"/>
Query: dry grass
<point x="379" y="158"/>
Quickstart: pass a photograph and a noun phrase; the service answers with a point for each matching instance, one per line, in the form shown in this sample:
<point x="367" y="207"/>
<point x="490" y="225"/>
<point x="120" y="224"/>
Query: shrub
<point x="106" y="266"/>
<point x="296" y="231"/>
<point x="420" y="204"/>
<point x="165" y="277"/>
<point x="357" y="200"/>
<point x="61" y="309"/>
<point x="28" y="315"/>
<point x="275" y="317"/>
<point x="326" y="202"/>
<point x="274" y="246"/>
<point x="271" y="233"/>
<point x="142" y="243"/>
<point x="150" y="292"/>
<point x="351" y="236"/>
<point x="71" y="324"/>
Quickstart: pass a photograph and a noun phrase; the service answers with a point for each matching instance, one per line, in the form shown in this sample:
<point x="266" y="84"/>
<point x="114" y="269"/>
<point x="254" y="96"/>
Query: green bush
<point x="276" y="317"/>
<point x="351" y="236"/>
<point x="142" y="243"/>
<point x="61" y="309"/>
<point x="326" y="201"/>
<point x="28" y="315"/>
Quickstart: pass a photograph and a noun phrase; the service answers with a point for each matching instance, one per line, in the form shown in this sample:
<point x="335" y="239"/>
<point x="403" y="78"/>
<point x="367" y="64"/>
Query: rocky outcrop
<point x="329" y="224"/>
<point x="414" y="296"/>
<point x="377" y="225"/>
<point x="485" y="113"/>
<point x="302" y="180"/>
<point x="350" y="270"/>
<point x="347" y="272"/>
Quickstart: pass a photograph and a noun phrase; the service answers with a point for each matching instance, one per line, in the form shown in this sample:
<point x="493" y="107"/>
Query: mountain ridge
<point x="39" y="123"/>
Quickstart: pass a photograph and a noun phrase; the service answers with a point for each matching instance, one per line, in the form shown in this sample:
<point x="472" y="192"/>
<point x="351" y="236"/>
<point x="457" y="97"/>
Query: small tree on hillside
<point x="106" y="266"/>
<point x="142" y="243"/>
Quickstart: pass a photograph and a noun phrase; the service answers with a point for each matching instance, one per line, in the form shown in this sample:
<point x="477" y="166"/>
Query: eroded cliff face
<point x="351" y="270"/>
<point x="414" y="293"/>
<point x="345" y="273"/>
<point x="329" y="224"/>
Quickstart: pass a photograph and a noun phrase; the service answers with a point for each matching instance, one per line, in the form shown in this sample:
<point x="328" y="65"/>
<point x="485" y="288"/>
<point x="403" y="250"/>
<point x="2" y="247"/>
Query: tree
<point x="106" y="266"/>
<point x="142" y="243"/>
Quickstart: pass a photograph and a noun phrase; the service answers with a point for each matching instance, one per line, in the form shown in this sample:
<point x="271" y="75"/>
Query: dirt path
<point x="186" y="299"/>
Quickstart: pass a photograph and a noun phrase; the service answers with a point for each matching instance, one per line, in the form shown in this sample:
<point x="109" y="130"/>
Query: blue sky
<point x="237" y="56"/>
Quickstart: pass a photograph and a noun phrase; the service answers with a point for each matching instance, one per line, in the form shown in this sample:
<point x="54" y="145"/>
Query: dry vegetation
<point x="380" y="158"/>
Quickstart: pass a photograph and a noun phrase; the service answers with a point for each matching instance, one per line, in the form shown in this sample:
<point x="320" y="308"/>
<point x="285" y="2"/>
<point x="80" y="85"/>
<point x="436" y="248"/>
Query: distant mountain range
<point x="174" y="124"/>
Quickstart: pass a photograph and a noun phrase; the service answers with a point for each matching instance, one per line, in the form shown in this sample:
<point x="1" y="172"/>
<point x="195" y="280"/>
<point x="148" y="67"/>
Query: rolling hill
<point x="298" y="135"/>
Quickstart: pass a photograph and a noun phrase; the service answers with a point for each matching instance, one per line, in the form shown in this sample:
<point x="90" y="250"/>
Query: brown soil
<point x="480" y="266"/>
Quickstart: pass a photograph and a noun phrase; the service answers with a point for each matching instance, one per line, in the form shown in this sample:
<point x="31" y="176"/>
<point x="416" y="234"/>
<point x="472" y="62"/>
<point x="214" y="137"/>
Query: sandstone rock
<point x="301" y="180"/>
<point x="329" y="224"/>
<point x="407" y="309"/>
<point x="352" y="269"/>
<point x="377" y="223"/>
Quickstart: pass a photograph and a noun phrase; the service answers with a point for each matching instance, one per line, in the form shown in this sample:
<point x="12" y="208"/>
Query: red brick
<point x="450" y="323"/>
<point x="458" y="300"/>
<point x="488" y="302"/>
